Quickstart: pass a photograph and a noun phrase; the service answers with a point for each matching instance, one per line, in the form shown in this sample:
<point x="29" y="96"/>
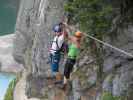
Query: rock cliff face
<point x="33" y="34"/>
<point x="118" y="66"/>
<point x="7" y="63"/>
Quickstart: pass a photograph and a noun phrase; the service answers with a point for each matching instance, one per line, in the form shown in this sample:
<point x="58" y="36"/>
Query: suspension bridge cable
<point x="106" y="44"/>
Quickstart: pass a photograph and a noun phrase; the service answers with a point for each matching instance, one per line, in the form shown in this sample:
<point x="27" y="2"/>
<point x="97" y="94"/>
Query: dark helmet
<point x="57" y="28"/>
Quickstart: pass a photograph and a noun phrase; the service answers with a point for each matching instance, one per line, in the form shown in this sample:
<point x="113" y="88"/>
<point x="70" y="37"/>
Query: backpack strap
<point x="56" y="41"/>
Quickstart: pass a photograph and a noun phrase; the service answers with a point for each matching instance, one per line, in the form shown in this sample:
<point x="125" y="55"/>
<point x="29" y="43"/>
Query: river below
<point x="8" y="15"/>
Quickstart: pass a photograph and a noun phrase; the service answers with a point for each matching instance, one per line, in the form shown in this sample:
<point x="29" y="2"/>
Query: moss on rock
<point x="9" y="93"/>
<point x="109" y="96"/>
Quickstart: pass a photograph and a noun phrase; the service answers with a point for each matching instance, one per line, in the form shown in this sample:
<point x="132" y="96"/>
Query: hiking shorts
<point x="54" y="61"/>
<point x="69" y="67"/>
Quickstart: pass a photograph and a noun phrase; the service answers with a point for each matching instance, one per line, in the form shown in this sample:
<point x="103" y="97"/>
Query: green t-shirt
<point x="73" y="51"/>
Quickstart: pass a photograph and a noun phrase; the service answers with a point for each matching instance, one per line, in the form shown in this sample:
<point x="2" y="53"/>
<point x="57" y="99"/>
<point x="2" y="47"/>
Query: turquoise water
<point x="5" y="79"/>
<point x="8" y="14"/>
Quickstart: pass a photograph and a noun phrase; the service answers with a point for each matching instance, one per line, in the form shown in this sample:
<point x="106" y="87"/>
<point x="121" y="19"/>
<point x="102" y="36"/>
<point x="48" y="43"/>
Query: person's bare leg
<point x="65" y="80"/>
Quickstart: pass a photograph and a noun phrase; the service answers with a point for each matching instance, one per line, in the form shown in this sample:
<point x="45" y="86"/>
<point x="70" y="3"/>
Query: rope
<point x="106" y="44"/>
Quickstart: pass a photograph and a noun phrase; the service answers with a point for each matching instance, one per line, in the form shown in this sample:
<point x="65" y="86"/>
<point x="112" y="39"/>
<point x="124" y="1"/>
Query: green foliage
<point x="109" y="96"/>
<point x="93" y="16"/>
<point x="9" y="93"/>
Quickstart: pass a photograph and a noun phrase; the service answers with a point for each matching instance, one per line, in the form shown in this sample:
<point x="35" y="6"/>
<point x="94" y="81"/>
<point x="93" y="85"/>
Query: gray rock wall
<point x="34" y="25"/>
<point x="117" y="81"/>
<point x="119" y="65"/>
<point x="33" y="34"/>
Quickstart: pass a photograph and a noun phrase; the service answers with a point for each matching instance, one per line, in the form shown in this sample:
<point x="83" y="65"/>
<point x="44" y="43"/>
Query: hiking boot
<point x="58" y="76"/>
